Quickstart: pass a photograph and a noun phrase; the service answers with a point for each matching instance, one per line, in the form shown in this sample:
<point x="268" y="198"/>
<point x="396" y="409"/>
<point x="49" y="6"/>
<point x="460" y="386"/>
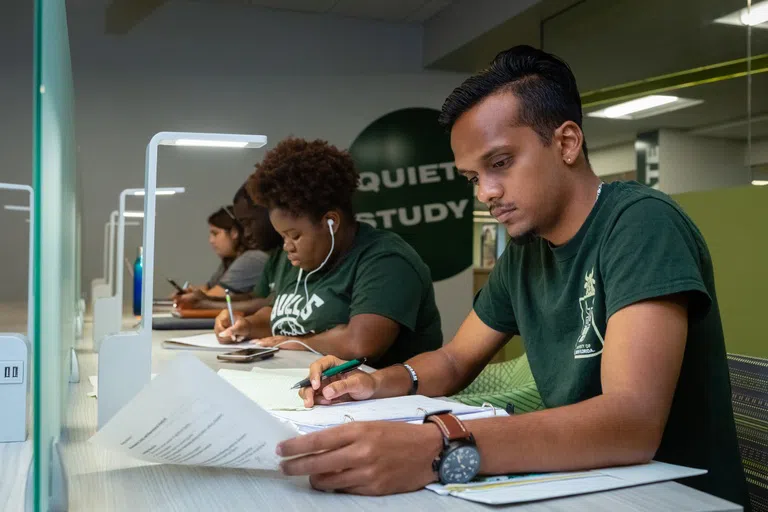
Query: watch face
<point x="460" y="465"/>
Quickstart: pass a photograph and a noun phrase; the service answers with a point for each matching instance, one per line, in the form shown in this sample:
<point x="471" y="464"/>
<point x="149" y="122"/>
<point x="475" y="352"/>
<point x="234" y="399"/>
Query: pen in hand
<point x="330" y="372"/>
<point x="231" y="317"/>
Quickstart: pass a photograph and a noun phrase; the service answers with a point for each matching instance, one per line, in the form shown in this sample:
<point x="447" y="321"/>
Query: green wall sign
<point x="409" y="185"/>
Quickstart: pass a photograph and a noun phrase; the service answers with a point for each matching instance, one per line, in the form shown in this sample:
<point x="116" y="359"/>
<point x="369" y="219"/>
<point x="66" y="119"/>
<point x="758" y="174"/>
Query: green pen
<point x="336" y="370"/>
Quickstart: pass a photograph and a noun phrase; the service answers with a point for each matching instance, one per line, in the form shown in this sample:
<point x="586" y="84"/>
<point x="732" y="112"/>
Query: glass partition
<point x="55" y="287"/>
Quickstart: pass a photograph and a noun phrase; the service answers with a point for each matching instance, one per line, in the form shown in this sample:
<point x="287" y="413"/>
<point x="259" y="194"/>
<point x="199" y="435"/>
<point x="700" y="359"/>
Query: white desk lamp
<point x="17" y="208"/>
<point x="107" y="314"/>
<point x="108" y="311"/>
<point x="125" y="359"/>
<point x="15" y="347"/>
<point x="102" y="286"/>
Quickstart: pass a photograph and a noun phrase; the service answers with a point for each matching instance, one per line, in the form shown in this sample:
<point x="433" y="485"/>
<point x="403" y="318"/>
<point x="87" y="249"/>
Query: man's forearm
<point x="600" y="432"/>
<point x="449" y="369"/>
<point x="436" y="371"/>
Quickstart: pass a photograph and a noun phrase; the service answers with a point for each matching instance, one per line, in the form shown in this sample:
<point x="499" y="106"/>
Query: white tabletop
<point x="104" y="481"/>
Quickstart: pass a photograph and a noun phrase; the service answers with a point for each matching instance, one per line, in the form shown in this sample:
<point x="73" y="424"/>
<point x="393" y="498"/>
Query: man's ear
<point x="569" y="139"/>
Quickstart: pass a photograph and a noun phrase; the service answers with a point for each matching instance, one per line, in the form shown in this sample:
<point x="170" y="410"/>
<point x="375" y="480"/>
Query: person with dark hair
<point x="611" y="288"/>
<point x="242" y="236"/>
<point x="341" y="287"/>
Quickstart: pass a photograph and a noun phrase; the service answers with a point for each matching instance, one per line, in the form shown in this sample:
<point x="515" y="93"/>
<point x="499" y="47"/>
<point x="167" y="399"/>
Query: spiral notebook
<point x="402" y="408"/>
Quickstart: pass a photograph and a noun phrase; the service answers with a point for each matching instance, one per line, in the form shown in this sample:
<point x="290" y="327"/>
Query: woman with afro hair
<point x="342" y="287"/>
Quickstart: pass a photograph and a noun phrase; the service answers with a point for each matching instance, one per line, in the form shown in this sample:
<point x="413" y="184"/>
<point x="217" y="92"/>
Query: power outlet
<point x="11" y="372"/>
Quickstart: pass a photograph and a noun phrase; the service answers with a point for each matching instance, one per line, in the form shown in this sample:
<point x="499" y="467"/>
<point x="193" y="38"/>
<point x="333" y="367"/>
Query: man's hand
<point x="227" y="333"/>
<point x="190" y="298"/>
<point x="354" y="385"/>
<point x="372" y="458"/>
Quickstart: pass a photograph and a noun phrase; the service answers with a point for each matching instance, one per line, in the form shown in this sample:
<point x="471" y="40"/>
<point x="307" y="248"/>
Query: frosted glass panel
<point x="55" y="184"/>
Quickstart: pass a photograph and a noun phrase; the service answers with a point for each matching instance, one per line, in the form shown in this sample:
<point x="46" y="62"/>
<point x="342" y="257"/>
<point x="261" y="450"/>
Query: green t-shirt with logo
<point x="636" y="244"/>
<point x="380" y="274"/>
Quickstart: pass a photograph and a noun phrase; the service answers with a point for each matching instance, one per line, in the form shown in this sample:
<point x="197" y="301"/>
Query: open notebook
<point x="271" y="389"/>
<point x="402" y="408"/>
<point x="506" y="489"/>
<point x="205" y="341"/>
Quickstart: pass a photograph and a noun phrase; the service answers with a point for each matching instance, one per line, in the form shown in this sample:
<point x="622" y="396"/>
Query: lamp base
<point x="125" y="365"/>
<point x="107" y="319"/>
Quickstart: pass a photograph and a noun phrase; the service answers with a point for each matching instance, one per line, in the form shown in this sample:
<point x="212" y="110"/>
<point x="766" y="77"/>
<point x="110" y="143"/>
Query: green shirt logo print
<point x="288" y="315"/>
<point x="288" y="326"/>
<point x="586" y="345"/>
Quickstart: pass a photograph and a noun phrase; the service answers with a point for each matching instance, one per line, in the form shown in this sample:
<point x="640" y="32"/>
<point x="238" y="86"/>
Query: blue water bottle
<point x="137" y="277"/>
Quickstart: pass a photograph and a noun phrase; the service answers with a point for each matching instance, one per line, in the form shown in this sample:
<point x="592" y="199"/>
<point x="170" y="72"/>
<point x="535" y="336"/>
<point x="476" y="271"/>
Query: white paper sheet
<point x="188" y="415"/>
<point x="206" y="341"/>
<point x="401" y="408"/>
<point x="521" y="488"/>
<point x="270" y="388"/>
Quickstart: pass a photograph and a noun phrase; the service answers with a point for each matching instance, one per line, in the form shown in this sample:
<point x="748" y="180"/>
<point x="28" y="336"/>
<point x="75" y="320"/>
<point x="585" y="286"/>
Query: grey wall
<point x="15" y="142"/>
<point x="689" y="164"/>
<point x="202" y="67"/>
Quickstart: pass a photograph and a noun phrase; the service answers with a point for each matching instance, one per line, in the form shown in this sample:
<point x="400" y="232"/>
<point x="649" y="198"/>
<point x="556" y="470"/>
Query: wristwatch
<point x="459" y="460"/>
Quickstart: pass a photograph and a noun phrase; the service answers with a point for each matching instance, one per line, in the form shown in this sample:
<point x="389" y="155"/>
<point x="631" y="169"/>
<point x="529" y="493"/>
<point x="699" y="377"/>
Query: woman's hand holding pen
<point x="228" y="333"/>
<point x="355" y="385"/>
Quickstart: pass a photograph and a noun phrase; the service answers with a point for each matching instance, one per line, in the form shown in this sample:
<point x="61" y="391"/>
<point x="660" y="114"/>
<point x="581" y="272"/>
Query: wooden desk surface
<point x="100" y="480"/>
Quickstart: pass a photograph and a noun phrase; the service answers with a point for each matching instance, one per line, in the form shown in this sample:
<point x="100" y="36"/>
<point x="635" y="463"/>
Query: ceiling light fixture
<point x="646" y="106"/>
<point x="754" y="16"/>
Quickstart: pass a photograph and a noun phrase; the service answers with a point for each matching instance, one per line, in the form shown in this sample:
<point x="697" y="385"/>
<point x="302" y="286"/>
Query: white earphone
<point x="333" y="244"/>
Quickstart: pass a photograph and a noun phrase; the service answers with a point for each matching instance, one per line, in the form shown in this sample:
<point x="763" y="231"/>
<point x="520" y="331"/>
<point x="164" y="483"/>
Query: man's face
<point x="515" y="172"/>
<point x="244" y="213"/>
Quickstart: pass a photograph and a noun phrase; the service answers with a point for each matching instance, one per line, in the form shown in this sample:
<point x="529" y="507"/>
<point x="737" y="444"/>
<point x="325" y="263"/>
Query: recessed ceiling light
<point x="646" y="106"/>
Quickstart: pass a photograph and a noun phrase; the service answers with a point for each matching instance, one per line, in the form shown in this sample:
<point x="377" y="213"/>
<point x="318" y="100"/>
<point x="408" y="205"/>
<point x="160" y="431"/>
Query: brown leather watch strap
<point x="451" y="427"/>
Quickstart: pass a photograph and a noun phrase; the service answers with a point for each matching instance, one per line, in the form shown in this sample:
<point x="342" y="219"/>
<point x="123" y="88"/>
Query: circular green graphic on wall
<point x="409" y="185"/>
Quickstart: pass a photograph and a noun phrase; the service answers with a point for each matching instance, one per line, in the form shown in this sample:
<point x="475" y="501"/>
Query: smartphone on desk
<point x="248" y="355"/>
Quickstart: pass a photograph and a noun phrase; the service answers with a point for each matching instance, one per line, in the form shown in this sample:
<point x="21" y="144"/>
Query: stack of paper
<point x="188" y="415"/>
<point x="402" y="408"/>
<point x="206" y="341"/>
<point x="271" y="389"/>
<point x="498" y="490"/>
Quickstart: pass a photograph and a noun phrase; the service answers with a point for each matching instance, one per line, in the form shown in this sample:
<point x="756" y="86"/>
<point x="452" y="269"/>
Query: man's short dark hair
<point x="543" y="83"/>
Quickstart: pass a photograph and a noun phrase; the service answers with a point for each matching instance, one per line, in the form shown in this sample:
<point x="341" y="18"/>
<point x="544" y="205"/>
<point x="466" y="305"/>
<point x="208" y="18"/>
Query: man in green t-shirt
<point x="611" y="287"/>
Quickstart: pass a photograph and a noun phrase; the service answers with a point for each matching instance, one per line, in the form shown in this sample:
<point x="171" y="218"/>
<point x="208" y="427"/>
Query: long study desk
<point x="100" y="480"/>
